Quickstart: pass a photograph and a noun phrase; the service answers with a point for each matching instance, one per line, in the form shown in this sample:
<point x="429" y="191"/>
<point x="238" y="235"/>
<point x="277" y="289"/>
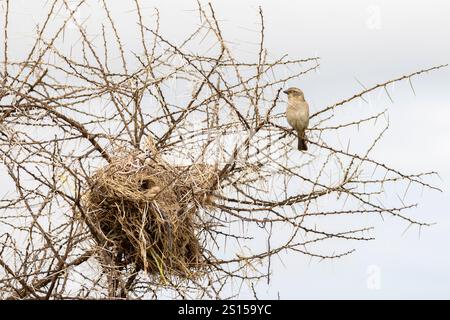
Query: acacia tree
<point x="66" y="112"/>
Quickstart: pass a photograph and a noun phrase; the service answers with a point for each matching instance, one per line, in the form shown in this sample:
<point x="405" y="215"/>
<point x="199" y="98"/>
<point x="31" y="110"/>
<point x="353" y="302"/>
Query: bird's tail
<point x="302" y="143"/>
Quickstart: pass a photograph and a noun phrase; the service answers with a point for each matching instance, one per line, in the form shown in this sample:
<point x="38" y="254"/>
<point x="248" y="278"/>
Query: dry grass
<point x="77" y="109"/>
<point x="148" y="212"/>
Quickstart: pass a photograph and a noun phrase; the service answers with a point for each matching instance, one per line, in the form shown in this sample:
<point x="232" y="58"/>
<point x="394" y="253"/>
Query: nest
<point x="149" y="213"/>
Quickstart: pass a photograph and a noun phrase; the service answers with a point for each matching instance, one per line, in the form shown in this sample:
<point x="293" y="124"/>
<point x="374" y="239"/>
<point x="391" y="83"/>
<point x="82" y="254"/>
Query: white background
<point x="372" y="41"/>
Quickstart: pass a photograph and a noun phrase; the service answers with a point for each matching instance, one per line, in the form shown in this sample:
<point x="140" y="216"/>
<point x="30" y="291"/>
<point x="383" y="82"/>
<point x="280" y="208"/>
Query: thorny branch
<point x="63" y="113"/>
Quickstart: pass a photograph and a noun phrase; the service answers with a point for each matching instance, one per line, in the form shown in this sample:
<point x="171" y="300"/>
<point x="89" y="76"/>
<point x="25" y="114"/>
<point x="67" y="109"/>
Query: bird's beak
<point x="285" y="91"/>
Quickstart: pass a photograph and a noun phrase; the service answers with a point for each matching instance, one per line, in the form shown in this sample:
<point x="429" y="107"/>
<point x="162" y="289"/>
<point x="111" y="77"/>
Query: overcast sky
<point x="372" y="41"/>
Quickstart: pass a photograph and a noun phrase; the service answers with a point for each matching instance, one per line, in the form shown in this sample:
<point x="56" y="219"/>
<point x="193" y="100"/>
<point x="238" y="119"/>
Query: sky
<point x="357" y="41"/>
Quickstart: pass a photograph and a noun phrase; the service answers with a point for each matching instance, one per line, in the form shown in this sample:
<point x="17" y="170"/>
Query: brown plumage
<point x="297" y="115"/>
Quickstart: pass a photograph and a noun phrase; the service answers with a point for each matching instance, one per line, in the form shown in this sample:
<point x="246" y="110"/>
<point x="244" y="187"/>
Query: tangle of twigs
<point x="65" y="113"/>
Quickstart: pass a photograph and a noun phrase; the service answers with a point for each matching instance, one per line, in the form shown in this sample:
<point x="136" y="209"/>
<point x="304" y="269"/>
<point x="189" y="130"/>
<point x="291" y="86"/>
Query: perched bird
<point x="297" y="114"/>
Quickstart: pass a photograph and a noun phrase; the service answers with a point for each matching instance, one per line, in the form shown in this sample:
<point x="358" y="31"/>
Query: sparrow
<point x="297" y="114"/>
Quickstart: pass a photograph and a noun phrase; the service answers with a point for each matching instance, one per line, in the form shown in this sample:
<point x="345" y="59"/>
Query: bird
<point x="297" y="114"/>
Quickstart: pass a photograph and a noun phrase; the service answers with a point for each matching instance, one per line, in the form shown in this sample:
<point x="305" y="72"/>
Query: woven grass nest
<point x="148" y="210"/>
